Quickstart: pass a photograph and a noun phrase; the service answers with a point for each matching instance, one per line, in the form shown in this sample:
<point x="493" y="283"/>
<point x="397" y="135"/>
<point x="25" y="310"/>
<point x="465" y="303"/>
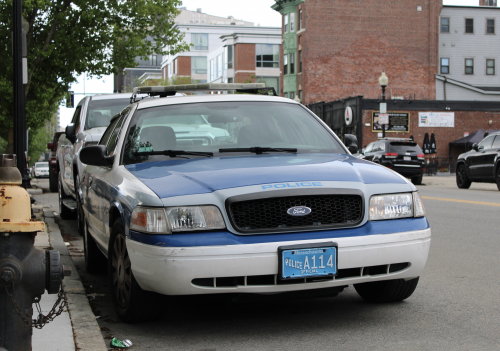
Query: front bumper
<point x="171" y="270"/>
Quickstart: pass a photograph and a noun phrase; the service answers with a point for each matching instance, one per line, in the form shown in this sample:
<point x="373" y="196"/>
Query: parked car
<point x="481" y="164"/>
<point x="401" y="155"/>
<point x="53" y="172"/>
<point x="279" y="206"/>
<point x="92" y="116"/>
<point x="41" y="170"/>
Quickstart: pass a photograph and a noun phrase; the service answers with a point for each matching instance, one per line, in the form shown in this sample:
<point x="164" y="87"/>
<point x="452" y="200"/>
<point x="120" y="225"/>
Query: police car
<point x="276" y="204"/>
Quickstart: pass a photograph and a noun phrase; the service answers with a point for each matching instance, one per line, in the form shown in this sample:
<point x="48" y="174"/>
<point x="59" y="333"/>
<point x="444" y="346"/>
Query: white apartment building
<point x="469" y="53"/>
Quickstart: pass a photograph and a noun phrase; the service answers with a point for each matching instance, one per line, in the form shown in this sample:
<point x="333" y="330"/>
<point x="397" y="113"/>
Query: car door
<point x="100" y="189"/>
<point x="491" y="155"/>
<point x="478" y="161"/>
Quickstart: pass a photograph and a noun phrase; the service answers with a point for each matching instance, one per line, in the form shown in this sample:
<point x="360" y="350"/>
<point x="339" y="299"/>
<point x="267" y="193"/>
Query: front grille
<point x="331" y="210"/>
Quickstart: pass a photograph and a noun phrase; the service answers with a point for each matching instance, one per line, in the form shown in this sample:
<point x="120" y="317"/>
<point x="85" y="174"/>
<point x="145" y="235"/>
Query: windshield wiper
<point x="172" y="153"/>
<point x="258" y="150"/>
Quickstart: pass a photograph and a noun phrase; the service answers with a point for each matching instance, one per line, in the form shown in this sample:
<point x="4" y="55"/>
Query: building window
<point x="490" y="67"/>
<point x="300" y="95"/>
<point x="292" y="63"/>
<point x="490" y="3"/>
<point x="469" y="25"/>
<point x="219" y="66"/>
<point x="268" y="55"/>
<point x="270" y="82"/>
<point x="299" y="26"/>
<point x="285" y="64"/>
<point x="490" y="26"/>
<point x="285" y="95"/>
<point x="198" y="65"/>
<point x="292" y="21"/>
<point x="469" y="66"/>
<point x="228" y="51"/>
<point x="445" y="25"/>
<point x="300" y="61"/>
<point x="292" y="95"/>
<point x="286" y="23"/>
<point x="445" y="65"/>
<point x="200" y="41"/>
<point x="153" y="60"/>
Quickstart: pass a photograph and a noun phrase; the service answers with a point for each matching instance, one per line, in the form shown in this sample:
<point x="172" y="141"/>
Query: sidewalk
<point x="76" y="328"/>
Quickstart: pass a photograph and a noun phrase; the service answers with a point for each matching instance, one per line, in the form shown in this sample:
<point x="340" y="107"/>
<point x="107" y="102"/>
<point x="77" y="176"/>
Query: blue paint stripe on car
<point x="217" y="238"/>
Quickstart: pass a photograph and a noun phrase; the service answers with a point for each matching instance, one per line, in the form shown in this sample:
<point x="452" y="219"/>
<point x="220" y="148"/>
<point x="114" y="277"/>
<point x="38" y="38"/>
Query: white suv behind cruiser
<point x="279" y="205"/>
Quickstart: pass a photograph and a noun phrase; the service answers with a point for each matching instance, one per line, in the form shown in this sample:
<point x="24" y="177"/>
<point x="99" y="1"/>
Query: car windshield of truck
<point x="404" y="147"/>
<point x="41" y="165"/>
<point x="213" y="126"/>
<point x="100" y="112"/>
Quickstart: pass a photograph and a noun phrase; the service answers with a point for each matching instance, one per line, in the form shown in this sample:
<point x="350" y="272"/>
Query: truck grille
<point x="327" y="211"/>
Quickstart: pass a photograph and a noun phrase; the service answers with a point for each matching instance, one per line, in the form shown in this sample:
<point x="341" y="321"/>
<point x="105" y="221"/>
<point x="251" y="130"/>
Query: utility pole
<point x="19" y="48"/>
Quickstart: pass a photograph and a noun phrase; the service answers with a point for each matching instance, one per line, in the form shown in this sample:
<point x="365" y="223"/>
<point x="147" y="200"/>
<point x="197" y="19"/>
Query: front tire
<point x="53" y="181"/>
<point x="95" y="261"/>
<point x="418" y="179"/>
<point x="132" y="304"/>
<point x="463" y="181"/>
<point x="386" y="290"/>
<point x="64" y="212"/>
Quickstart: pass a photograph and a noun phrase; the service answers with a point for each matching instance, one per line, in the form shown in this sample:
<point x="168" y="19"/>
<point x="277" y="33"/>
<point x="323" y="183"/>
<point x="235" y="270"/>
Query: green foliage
<point x="69" y="37"/>
<point x="37" y="144"/>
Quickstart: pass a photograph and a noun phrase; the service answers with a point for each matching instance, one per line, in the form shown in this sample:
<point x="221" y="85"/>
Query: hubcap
<point x="121" y="271"/>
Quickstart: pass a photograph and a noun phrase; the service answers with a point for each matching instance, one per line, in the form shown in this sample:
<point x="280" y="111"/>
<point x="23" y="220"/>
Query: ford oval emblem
<point x="298" y="211"/>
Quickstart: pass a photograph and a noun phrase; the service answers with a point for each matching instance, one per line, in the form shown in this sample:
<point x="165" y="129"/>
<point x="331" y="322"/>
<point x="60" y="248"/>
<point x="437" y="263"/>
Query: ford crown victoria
<point x="275" y="205"/>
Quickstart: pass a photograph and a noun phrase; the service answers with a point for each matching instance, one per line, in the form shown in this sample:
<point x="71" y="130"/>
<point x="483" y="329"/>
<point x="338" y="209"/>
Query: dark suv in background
<point x="481" y="164"/>
<point x="401" y="155"/>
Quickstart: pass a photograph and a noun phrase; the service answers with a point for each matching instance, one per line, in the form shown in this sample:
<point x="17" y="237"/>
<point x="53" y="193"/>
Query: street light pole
<point x="383" y="81"/>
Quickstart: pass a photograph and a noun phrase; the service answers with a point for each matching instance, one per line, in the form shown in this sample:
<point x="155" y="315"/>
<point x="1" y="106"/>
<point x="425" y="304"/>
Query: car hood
<point x="204" y="175"/>
<point x="95" y="134"/>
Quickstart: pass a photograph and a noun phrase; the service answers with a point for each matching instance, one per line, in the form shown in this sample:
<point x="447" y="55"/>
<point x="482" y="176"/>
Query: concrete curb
<point x="86" y="331"/>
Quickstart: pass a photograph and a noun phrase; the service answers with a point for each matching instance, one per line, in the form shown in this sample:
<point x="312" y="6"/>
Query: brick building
<point x="339" y="48"/>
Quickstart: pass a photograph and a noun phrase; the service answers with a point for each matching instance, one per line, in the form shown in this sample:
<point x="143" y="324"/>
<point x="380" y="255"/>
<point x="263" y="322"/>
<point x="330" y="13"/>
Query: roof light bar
<point x="199" y="87"/>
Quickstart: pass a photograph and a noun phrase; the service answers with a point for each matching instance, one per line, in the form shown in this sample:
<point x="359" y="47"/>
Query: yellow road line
<point x="463" y="201"/>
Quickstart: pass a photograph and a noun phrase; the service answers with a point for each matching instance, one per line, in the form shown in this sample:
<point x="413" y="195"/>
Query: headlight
<point x="391" y="206"/>
<point x="194" y="218"/>
<point x="176" y="219"/>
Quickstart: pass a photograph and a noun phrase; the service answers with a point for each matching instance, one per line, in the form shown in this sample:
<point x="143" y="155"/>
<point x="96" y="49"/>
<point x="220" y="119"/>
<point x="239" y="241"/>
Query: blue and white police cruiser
<point x="275" y="204"/>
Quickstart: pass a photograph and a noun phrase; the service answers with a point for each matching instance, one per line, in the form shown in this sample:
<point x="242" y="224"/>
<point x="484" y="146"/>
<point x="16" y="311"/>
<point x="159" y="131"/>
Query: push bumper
<point x="176" y="270"/>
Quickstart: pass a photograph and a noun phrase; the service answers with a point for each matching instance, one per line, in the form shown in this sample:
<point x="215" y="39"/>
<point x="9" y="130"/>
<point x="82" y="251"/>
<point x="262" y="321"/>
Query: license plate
<point x="308" y="261"/>
<point x="407" y="158"/>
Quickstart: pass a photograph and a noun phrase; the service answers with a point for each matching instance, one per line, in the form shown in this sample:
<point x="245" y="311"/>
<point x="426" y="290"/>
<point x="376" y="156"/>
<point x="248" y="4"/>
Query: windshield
<point x="100" y="112"/>
<point x="404" y="147"/>
<point x="41" y="165"/>
<point x="210" y="127"/>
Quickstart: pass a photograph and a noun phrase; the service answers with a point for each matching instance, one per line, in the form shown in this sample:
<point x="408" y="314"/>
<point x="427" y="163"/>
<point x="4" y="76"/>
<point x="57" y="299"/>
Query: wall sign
<point x="398" y="122"/>
<point x="436" y="119"/>
<point x="348" y="115"/>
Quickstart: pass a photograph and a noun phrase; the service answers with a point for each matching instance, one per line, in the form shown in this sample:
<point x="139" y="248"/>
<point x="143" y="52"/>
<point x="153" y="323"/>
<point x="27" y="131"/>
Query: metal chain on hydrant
<point x="42" y="319"/>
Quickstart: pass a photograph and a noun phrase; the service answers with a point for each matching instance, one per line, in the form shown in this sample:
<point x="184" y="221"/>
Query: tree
<point x="69" y="37"/>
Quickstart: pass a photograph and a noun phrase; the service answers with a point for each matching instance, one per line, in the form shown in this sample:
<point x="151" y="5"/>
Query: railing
<point x="440" y="164"/>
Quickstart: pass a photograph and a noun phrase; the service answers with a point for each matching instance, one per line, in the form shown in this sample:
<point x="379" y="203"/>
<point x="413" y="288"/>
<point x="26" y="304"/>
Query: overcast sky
<point x="257" y="11"/>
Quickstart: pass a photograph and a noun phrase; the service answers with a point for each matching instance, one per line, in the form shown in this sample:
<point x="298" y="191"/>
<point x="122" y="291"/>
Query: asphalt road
<point x="455" y="306"/>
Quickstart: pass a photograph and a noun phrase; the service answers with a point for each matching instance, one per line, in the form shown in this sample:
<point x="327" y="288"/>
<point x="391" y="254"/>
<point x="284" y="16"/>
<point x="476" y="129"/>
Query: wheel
<point x="64" y="212"/>
<point x="463" y="181"/>
<point x="95" y="261"/>
<point x="53" y="181"/>
<point x="418" y="179"/>
<point x="132" y="303"/>
<point x="497" y="179"/>
<point x="79" y="209"/>
<point x="387" y="290"/>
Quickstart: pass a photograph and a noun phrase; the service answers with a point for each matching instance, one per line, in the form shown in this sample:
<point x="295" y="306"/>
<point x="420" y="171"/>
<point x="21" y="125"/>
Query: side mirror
<point x="70" y="132"/>
<point x="475" y="147"/>
<point x="50" y="146"/>
<point x="351" y="142"/>
<point x="96" y="155"/>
